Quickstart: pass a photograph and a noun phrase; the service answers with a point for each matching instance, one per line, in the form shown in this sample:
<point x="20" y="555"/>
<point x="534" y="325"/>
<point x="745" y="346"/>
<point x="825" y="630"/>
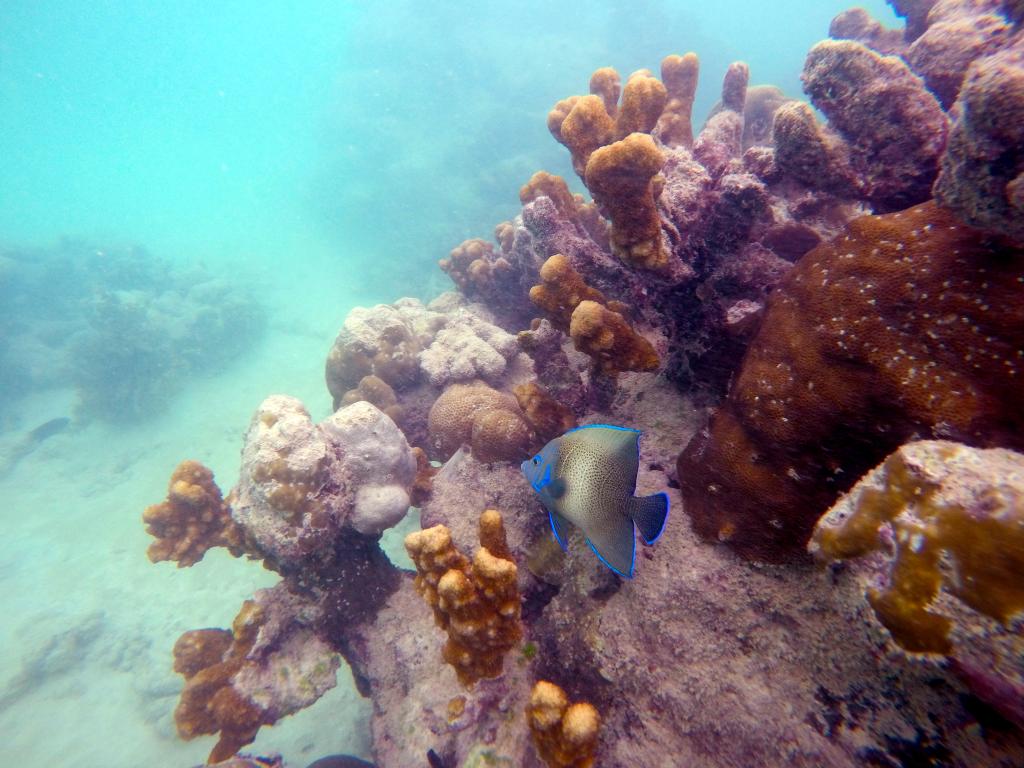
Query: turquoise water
<point x="309" y="157"/>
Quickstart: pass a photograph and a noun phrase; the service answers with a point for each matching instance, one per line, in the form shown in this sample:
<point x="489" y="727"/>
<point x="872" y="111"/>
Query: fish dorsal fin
<point x="614" y="543"/>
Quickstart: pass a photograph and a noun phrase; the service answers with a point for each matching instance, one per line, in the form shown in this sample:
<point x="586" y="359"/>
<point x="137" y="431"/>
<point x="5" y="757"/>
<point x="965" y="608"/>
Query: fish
<point x="587" y="478"/>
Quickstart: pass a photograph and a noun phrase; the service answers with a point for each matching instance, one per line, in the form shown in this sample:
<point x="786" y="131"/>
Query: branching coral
<point x="622" y="178"/>
<point x="564" y="734"/>
<point x="548" y="417"/>
<point x="561" y="290"/>
<point x="476" y="602"/>
<point x="894" y="127"/>
<point x="192" y="520"/>
<point x="951" y="518"/>
<point x="982" y="178"/>
<point x="679" y="74"/>
<point x="909" y="323"/>
<point x="609" y="340"/>
<point x="475" y="268"/>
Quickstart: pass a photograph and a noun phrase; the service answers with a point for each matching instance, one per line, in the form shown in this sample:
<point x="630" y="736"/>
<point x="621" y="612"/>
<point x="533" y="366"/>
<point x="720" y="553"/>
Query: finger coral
<point x="910" y="323"/>
<point x="679" y="73"/>
<point x="487" y="420"/>
<point x="982" y="177"/>
<point x="609" y="340"/>
<point x="950" y="521"/>
<point x="565" y="735"/>
<point x="894" y="127"/>
<point x="561" y="290"/>
<point x="192" y="520"/>
<point x="476" y="602"/>
<point x="621" y="176"/>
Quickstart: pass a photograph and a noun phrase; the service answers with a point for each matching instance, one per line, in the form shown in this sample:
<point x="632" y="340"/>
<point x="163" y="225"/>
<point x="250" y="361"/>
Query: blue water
<point x="307" y="157"/>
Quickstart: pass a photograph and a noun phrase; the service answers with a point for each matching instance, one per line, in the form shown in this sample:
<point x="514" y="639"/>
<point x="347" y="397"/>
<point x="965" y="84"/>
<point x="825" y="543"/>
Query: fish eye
<point x="536" y="459"/>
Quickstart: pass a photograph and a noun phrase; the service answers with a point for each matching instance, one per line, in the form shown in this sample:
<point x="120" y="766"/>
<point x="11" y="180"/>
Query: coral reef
<point x="744" y="261"/>
<point x="622" y="178"/>
<point x="893" y="126"/>
<point x="476" y="602"/>
<point x="608" y="339"/>
<point x="565" y="734"/>
<point x="124" y="327"/>
<point x="951" y="520"/>
<point x="191" y="520"/>
<point x="908" y="324"/>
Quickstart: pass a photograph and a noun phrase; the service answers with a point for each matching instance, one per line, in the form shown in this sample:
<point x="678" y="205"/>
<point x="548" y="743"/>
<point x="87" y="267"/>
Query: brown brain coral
<point x="487" y="420"/>
<point x="909" y="323"/>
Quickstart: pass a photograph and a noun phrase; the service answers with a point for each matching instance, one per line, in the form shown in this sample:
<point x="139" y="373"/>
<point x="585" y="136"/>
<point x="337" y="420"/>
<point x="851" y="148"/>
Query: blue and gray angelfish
<point x="587" y="477"/>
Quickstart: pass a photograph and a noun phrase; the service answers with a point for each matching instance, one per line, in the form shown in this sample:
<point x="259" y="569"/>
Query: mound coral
<point x="476" y="602"/>
<point x="487" y="420"/>
<point x="910" y="323"/>
<point x="951" y="521"/>
<point x="192" y="520"/>
<point x="564" y="734"/>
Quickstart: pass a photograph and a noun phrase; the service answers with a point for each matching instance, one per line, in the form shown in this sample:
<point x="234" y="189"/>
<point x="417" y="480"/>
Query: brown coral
<point x="564" y="734"/>
<point x="548" y="417"/>
<point x="582" y="124"/>
<point x="955" y="517"/>
<point x="679" y="73"/>
<point x="379" y="393"/>
<point x="475" y="268"/>
<point x="621" y="177"/>
<point x="561" y="290"/>
<point x="192" y="520"/>
<point x="909" y="323"/>
<point x="209" y="659"/>
<point x="610" y="341"/>
<point x="487" y="420"/>
<point x="476" y="603"/>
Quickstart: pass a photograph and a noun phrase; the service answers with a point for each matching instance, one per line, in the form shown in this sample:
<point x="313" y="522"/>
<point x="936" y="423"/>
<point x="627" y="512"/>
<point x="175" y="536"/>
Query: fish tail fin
<point x="650" y="513"/>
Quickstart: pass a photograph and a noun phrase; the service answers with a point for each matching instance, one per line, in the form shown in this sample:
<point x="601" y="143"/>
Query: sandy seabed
<point x="89" y="623"/>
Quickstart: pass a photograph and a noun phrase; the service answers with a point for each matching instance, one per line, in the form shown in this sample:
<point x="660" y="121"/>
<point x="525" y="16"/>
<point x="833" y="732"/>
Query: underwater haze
<point x="226" y="257"/>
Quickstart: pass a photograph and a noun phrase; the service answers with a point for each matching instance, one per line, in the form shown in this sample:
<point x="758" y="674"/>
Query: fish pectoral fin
<point x="556" y="488"/>
<point x="560" y="527"/>
<point x="650" y="513"/>
<point x="615" y="546"/>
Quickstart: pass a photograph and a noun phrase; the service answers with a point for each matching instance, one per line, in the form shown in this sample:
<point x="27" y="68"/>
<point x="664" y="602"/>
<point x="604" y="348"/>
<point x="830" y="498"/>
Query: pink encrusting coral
<point x="794" y="272"/>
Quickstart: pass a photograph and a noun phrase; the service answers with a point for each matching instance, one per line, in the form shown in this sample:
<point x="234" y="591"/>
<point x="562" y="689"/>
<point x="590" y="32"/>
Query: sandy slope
<point x="88" y="622"/>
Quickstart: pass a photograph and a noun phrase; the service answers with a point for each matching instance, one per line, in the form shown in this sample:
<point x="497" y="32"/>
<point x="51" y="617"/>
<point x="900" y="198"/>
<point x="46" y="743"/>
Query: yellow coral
<point x="939" y="544"/>
<point x="565" y="735"/>
<point x="609" y="340"/>
<point x="209" y="659"/>
<point x="679" y="73"/>
<point x="621" y="177"/>
<point x="476" y="602"/>
<point x="192" y="520"/>
<point x="561" y="290"/>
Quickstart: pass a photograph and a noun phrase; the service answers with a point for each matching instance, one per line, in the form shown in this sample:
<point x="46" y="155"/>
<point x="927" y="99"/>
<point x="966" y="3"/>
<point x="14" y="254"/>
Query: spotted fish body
<point x="587" y="478"/>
